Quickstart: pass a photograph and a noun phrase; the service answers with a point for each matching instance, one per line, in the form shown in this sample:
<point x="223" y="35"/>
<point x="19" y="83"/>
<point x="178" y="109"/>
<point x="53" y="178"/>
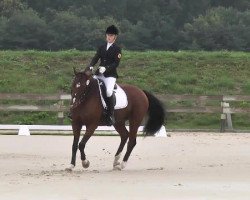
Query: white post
<point x="60" y="115"/>
<point x="162" y="132"/>
<point x="24" y="130"/>
<point x="226" y="110"/>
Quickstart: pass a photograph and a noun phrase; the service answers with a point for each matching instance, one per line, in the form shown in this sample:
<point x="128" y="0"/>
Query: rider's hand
<point x="102" y="69"/>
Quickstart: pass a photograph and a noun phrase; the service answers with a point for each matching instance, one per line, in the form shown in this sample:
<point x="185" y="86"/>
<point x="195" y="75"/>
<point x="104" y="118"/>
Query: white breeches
<point x="109" y="83"/>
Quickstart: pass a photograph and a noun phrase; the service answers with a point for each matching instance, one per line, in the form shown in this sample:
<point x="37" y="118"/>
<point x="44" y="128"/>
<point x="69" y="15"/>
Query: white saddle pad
<point x="121" y="98"/>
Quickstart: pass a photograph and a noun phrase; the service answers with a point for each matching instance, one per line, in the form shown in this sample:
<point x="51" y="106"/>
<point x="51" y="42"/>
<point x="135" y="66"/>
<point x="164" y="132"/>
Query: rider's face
<point x="110" y="38"/>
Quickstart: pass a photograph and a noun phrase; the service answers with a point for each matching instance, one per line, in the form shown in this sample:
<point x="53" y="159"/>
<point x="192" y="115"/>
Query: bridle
<point x="76" y="103"/>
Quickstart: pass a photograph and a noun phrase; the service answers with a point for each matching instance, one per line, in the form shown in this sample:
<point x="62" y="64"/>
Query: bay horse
<point x="87" y="110"/>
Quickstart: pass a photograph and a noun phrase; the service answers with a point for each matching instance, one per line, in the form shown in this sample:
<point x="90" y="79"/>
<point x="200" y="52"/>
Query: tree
<point x="3" y="23"/>
<point x="95" y="31"/>
<point x="241" y="5"/>
<point x="220" y="28"/>
<point x="66" y="31"/>
<point x="144" y="24"/>
<point x="8" y="7"/>
<point x="25" y="30"/>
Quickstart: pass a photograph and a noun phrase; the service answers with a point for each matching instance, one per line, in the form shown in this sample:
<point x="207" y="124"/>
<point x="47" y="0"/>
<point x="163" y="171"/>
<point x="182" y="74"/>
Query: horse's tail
<point x="156" y="115"/>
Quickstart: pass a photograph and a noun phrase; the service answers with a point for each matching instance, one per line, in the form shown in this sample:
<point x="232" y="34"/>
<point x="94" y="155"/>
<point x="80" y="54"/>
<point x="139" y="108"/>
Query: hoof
<point x="116" y="160"/>
<point x="120" y="166"/>
<point x="116" y="163"/>
<point x="70" y="168"/>
<point x="117" y="168"/>
<point x="85" y="163"/>
<point x="123" y="164"/>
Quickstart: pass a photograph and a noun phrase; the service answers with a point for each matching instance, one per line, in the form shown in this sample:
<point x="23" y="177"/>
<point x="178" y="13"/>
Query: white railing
<point x="62" y="129"/>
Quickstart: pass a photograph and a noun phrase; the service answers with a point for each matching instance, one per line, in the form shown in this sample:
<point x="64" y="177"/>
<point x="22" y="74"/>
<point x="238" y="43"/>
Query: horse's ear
<point x="88" y="72"/>
<point x="75" y="72"/>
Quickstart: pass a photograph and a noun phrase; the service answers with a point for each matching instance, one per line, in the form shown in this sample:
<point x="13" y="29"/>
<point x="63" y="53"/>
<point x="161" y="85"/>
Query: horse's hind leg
<point x="123" y="132"/>
<point x="133" y="128"/>
<point x="130" y="147"/>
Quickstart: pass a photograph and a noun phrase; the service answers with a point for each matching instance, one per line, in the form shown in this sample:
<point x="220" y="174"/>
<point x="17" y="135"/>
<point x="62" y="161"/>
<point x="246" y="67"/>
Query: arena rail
<point x="65" y="130"/>
<point x="174" y="103"/>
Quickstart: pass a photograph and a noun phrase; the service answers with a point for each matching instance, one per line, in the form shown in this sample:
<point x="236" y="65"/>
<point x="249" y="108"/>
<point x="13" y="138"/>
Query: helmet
<point x="112" y="30"/>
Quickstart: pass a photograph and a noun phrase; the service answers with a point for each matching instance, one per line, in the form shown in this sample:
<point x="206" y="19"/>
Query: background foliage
<point x="160" y="72"/>
<point x="144" y="24"/>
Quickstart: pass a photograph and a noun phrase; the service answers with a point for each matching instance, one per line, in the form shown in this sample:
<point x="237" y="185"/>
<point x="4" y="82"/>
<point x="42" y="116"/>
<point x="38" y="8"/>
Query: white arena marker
<point x="161" y="133"/>
<point x="24" y="130"/>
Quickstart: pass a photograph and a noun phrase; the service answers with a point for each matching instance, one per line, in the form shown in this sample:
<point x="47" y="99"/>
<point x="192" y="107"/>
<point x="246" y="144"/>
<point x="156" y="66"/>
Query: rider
<point x="110" y="55"/>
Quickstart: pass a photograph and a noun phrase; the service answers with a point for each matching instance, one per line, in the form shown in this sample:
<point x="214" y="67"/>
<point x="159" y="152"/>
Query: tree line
<point x="143" y="24"/>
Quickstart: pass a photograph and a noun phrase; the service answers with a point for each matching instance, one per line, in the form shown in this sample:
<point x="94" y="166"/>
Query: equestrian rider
<point x="110" y="55"/>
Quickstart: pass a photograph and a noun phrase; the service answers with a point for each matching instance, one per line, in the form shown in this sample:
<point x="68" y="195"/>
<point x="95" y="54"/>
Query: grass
<point x="162" y="72"/>
<point x="158" y="71"/>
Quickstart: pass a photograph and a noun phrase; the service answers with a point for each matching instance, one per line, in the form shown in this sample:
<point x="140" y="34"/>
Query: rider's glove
<point x="102" y="69"/>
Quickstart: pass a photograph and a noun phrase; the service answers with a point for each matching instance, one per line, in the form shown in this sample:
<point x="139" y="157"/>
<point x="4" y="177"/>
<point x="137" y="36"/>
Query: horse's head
<point x="80" y="85"/>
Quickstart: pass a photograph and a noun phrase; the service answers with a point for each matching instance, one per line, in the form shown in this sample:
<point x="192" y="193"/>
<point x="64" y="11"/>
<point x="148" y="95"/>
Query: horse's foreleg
<point x="85" y="163"/>
<point x="82" y="144"/>
<point x="74" y="147"/>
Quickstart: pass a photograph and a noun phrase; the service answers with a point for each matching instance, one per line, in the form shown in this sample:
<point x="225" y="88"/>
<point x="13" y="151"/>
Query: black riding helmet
<point x="112" y="30"/>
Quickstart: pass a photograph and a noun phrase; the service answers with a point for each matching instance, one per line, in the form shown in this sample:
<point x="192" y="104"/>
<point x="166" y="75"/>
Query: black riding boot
<point x="110" y="111"/>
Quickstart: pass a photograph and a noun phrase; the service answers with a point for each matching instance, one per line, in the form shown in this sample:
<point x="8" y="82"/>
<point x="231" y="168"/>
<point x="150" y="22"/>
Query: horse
<point x="87" y="110"/>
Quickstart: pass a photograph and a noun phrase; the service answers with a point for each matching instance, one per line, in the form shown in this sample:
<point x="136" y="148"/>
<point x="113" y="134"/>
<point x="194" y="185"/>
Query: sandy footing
<point x="183" y="166"/>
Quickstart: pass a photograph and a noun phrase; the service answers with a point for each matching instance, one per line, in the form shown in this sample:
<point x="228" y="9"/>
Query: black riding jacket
<point x="109" y="58"/>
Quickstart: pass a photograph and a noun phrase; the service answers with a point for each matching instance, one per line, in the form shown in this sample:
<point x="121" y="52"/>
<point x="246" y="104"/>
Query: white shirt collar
<point x="109" y="45"/>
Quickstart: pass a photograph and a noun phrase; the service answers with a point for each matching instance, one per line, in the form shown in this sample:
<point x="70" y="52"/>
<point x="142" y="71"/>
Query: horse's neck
<point x="91" y="95"/>
<point x="94" y="88"/>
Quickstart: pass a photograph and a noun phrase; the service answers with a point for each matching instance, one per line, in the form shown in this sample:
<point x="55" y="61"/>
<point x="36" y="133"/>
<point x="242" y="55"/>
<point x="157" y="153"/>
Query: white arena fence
<point x="212" y="104"/>
<point x="63" y="130"/>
